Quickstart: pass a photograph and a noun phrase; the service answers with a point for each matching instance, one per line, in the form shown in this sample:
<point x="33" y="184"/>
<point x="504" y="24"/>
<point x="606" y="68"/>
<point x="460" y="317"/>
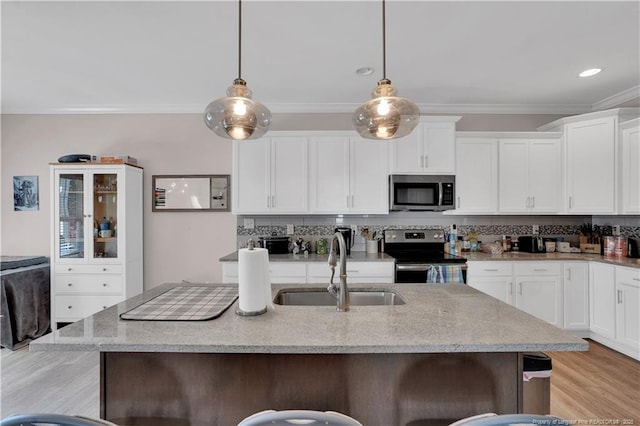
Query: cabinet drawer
<point x="90" y="283"/>
<point x="73" y="308"/>
<point x="281" y="269"/>
<point x="628" y="275"/>
<point x="479" y="269"/>
<point x="538" y="268"/>
<point x="88" y="269"/>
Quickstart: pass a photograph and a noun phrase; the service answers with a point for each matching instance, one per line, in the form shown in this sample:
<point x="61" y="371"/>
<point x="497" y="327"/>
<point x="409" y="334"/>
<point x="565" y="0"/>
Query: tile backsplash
<point x="488" y="228"/>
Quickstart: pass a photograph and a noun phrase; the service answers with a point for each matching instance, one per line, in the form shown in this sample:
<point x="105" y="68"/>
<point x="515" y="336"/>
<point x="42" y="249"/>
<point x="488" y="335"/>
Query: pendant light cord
<point x="239" y="39"/>
<point x="384" y="42"/>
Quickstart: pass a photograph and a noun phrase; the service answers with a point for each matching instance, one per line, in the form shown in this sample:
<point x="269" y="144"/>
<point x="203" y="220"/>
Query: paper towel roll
<point x="254" y="283"/>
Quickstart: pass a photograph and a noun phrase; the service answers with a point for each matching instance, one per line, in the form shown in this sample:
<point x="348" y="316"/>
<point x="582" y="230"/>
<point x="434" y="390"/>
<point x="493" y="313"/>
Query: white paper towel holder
<point x="250" y="245"/>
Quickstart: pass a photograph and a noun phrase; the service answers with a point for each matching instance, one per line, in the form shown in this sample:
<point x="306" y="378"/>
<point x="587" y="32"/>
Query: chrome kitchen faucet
<point x="341" y="293"/>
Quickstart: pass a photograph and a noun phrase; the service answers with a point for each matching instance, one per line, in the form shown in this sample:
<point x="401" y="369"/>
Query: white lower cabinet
<point x="602" y="299"/>
<point x="534" y="287"/>
<point x="492" y="278"/>
<point x="576" y="295"/>
<point x="539" y="290"/>
<point x="301" y="272"/>
<point x="628" y="309"/>
<point x="615" y="307"/>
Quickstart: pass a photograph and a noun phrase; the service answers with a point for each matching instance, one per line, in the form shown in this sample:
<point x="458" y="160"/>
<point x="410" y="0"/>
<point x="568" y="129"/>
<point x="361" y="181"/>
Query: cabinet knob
<point x="104" y="269"/>
<point x="69" y="307"/>
<point x="69" y="269"/>
<point x="104" y="307"/>
<point x="70" y="285"/>
<point x="104" y="284"/>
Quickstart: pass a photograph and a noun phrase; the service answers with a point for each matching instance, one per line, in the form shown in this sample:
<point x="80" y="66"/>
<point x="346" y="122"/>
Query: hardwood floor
<point x="599" y="387"/>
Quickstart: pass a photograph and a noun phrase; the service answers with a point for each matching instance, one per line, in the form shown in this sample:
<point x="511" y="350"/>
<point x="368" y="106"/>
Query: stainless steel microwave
<point x="421" y="192"/>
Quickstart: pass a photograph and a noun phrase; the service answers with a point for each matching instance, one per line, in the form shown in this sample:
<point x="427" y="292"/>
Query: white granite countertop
<point x="437" y="318"/>
<point x="360" y="256"/>
<point x="585" y="257"/>
<point x="355" y="256"/>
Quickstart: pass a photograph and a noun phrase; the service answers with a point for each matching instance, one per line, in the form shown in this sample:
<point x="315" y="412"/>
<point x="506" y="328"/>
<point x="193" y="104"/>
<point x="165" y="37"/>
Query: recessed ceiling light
<point x="590" y="72"/>
<point x="364" y="71"/>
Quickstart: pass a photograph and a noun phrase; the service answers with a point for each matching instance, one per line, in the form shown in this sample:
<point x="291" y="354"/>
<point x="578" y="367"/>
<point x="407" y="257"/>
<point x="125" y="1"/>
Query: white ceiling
<point x="301" y="56"/>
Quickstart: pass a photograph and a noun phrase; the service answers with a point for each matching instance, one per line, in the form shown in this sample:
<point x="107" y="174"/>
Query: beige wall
<point x="177" y="246"/>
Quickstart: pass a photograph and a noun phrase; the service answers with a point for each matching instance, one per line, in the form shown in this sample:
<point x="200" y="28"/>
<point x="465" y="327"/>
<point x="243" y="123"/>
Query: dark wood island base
<point x="199" y="389"/>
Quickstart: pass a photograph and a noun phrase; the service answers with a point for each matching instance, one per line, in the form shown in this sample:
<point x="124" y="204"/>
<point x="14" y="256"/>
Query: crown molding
<point x="302" y="108"/>
<point x="617" y="99"/>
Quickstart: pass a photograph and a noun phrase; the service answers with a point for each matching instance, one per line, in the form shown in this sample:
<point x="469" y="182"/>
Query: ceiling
<point x="301" y="56"/>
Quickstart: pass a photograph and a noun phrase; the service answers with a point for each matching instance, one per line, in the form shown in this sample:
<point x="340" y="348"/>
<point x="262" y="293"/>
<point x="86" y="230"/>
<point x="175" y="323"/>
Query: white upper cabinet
<point x="592" y="155"/>
<point x="430" y="148"/>
<point x="529" y="175"/>
<point x="476" y="175"/>
<point x="630" y="159"/>
<point x="270" y="176"/>
<point x="591" y="166"/>
<point x="348" y="175"/>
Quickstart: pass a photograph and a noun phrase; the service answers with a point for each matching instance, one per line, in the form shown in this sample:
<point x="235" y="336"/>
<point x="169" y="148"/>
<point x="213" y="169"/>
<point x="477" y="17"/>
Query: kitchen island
<point x="449" y="352"/>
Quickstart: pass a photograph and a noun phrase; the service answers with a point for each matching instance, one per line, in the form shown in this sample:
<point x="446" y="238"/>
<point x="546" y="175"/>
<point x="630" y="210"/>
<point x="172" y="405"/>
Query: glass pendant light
<point x="385" y="116"/>
<point x="238" y="116"/>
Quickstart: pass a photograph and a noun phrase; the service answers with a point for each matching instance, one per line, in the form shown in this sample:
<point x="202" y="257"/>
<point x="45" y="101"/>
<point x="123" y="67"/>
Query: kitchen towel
<point x="254" y="282"/>
<point x="443" y="274"/>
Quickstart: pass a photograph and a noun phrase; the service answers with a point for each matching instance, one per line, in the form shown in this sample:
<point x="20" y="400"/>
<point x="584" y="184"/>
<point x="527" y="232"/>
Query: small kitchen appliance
<point x="417" y="251"/>
<point x="421" y="192"/>
<point x="633" y="247"/>
<point x="348" y="235"/>
<point x="531" y="244"/>
<point x="275" y="244"/>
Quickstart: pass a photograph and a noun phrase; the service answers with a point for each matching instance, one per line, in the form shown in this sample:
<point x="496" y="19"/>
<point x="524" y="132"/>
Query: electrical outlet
<point x="616" y="229"/>
<point x="354" y="228"/>
<point x="289" y="229"/>
<point x="249" y="224"/>
<point x="536" y="229"/>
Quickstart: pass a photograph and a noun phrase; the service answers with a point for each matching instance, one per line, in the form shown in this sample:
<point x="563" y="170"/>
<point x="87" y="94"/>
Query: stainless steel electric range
<point x="416" y="251"/>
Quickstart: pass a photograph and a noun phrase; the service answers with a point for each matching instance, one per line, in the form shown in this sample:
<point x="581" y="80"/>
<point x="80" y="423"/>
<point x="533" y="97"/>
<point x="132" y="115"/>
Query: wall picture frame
<point x="26" y="193"/>
<point x="182" y="193"/>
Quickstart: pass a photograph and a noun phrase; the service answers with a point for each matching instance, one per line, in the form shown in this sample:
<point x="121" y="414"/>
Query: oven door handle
<point x="424" y="267"/>
<point x="414" y="267"/>
<point x="440" y="194"/>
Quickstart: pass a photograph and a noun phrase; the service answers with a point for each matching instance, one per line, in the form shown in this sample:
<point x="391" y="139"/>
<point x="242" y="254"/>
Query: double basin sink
<point x="320" y="297"/>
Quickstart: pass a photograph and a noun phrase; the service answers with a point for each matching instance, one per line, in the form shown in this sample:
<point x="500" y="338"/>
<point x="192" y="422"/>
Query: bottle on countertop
<point x="473" y="241"/>
<point x="453" y="239"/>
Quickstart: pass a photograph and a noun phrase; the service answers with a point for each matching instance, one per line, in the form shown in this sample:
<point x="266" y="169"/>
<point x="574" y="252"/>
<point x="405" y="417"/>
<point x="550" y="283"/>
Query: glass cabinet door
<point x="105" y="215"/>
<point x="71" y="216"/>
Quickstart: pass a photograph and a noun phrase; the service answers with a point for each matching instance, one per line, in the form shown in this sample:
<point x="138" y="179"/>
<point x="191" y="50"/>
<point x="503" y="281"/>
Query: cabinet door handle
<point x="268" y="204"/>
<point x="528" y="202"/>
<point x="635" y="279"/>
<point x="422" y="161"/>
<point x="490" y="270"/>
<point x="539" y="269"/>
<point x="619" y="296"/>
<point x="273" y="201"/>
<point x="533" y="202"/>
<point x="70" y="285"/>
<point x="570" y="202"/>
<point x="69" y="307"/>
<point x="520" y="288"/>
<point x="104" y="269"/>
<point x="458" y="202"/>
<point x="347" y="201"/>
<point x="568" y="274"/>
<point x="69" y="269"/>
<point x="104" y="284"/>
<point x="352" y="201"/>
<point x="426" y="161"/>
<point x="511" y="288"/>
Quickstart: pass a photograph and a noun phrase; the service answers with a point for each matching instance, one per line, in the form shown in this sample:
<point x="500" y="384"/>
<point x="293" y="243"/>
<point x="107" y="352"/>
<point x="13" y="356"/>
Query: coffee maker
<point x="348" y="235"/>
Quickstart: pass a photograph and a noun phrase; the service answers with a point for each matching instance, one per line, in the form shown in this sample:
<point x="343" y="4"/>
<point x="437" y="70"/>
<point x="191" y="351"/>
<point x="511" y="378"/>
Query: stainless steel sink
<point x="321" y="297"/>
